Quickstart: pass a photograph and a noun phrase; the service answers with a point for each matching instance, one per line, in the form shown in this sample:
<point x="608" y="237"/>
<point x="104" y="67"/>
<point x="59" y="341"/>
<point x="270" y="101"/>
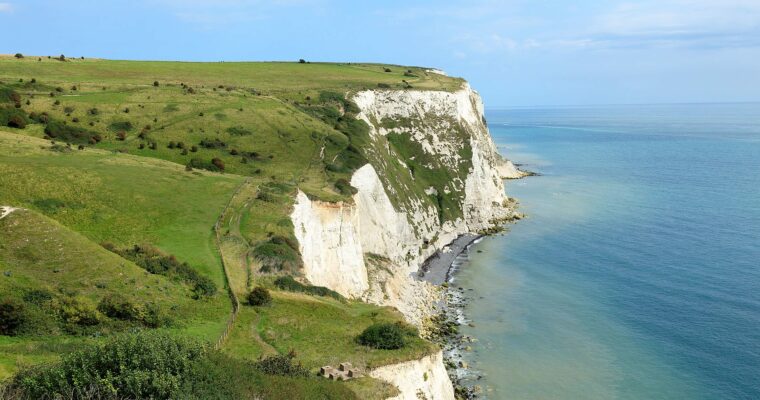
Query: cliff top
<point x="271" y="77"/>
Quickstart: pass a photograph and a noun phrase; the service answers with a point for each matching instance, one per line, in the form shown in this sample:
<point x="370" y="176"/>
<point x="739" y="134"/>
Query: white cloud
<point x="680" y="23"/>
<point x="6" y="7"/>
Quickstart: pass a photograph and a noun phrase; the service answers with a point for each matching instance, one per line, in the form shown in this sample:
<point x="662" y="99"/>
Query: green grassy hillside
<point x="153" y="154"/>
<point x="61" y="278"/>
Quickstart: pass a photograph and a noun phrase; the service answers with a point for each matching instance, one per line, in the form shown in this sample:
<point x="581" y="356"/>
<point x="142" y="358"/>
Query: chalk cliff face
<point x="401" y="215"/>
<point x="433" y="174"/>
<point x="425" y="378"/>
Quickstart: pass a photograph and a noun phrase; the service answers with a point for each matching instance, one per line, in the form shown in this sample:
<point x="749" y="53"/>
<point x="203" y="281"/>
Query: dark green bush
<point x="259" y="296"/>
<point x="345" y="188"/>
<point x="12" y="316"/>
<point x="386" y="336"/>
<point x="383" y="86"/>
<point x="13" y="118"/>
<point x="239" y="131"/>
<point x="144" y="365"/>
<point x="291" y="285"/>
<point x="282" y="365"/>
<point x="58" y="130"/>
<point x="156" y="262"/>
<point x="119" y="307"/>
<point x="213" y="144"/>
<point x="120" y="126"/>
<point x="38" y="296"/>
<point x="209" y="166"/>
<point x="277" y="255"/>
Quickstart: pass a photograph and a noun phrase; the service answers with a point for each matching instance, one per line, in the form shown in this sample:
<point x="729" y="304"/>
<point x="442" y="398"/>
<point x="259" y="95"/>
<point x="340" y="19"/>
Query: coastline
<point x="445" y="325"/>
<point x="440" y="270"/>
<point x="437" y="268"/>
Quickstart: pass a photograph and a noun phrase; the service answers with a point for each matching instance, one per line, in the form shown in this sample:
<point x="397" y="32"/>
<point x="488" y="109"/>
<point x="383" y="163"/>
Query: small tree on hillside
<point x="11" y="316"/>
<point x="259" y="296"/>
<point x="18" y="55"/>
<point x="384" y="336"/>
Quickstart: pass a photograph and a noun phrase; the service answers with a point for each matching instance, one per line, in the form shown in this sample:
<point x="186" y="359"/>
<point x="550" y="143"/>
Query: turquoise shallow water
<point x="637" y="273"/>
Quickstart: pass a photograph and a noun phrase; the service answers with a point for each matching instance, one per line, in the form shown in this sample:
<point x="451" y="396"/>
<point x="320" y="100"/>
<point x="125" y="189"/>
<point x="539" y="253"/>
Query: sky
<point x="514" y="52"/>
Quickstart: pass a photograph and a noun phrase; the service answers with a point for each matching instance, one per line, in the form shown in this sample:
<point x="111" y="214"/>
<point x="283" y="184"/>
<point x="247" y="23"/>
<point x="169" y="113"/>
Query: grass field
<point x="164" y="145"/>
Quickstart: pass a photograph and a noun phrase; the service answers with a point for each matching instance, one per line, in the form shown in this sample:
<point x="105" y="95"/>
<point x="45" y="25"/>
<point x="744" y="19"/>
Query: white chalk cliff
<point x="372" y="248"/>
<point x="425" y="378"/>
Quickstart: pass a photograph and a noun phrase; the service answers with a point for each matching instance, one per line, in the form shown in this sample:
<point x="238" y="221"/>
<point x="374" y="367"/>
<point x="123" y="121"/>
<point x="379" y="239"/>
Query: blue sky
<point x="514" y="52"/>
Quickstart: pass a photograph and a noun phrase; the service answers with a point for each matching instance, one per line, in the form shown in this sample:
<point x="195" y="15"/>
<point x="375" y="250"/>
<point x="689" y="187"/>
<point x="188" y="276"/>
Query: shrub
<point x="345" y="188"/>
<point x="194" y="148"/>
<point x="259" y="296"/>
<point x="120" y="126"/>
<point x="201" y="164"/>
<point x="18" y="55"/>
<point x="218" y="163"/>
<point x="38" y="296"/>
<point x="12" y="316"/>
<point x="119" y="307"/>
<point x="156" y="262"/>
<point x="93" y="111"/>
<point x="144" y="365"/>
<point x="277" y="255"/>
<point x="155" y="83"/>
<point x="239" y="131"/>
<point x="387" y="69"/>
<point x="72" y="134"/>
<point x="292" y="285"/>
<point x="386" y="336"/>
<point x="76" y="310"/>
<point x="302" y="61"/>
<point x="383" y="86"/>
<point x="212" y="144"/>
<point x="13" y="118"/>
<point x="282" y="365"/>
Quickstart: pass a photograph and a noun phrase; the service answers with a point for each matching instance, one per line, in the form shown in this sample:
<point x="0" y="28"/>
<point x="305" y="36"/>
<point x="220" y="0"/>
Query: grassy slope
<point x="126" y="199"/>
<point x="118" y="198"/>
<point x="38" y="253"/>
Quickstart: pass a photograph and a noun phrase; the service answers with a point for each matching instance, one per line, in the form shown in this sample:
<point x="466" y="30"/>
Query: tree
<point x="155" y="83"/>
<point x="384" y="336"/>
<point x="11" y="316"/>
<point x="259" y="296"/>
<point x="19" y="55"/>
<point x="61" y="58"/>
<point x="218" y="163"/>
<point x="302" y="61"/>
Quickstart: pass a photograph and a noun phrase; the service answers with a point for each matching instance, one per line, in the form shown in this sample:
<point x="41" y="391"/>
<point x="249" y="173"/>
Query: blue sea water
<point x="637" y="272"/>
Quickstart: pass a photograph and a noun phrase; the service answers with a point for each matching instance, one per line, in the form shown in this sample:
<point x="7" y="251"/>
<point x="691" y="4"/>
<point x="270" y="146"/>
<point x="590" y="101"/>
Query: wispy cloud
<point x="680" y="23"/>
<point x="493" y="26"/>
<point x="6" y="7"/>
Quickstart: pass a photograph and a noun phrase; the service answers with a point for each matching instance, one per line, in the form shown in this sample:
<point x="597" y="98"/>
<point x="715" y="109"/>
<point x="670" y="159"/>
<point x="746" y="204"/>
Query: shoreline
<point x="437" y="268"/>
<point x="440" y="270"/>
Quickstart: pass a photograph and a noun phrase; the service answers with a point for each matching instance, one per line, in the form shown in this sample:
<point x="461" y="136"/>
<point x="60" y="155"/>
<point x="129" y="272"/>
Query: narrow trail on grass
<point x="266" y="348"/>
<point x="232" y="281"/>
<point x="234" y="249"/>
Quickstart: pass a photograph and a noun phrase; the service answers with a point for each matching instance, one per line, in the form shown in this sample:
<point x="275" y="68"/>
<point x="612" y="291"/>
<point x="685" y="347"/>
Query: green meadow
<point x="103" y="155"/>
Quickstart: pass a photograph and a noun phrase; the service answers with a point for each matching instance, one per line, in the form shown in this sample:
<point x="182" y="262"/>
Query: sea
<point x="636" y="272"/>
